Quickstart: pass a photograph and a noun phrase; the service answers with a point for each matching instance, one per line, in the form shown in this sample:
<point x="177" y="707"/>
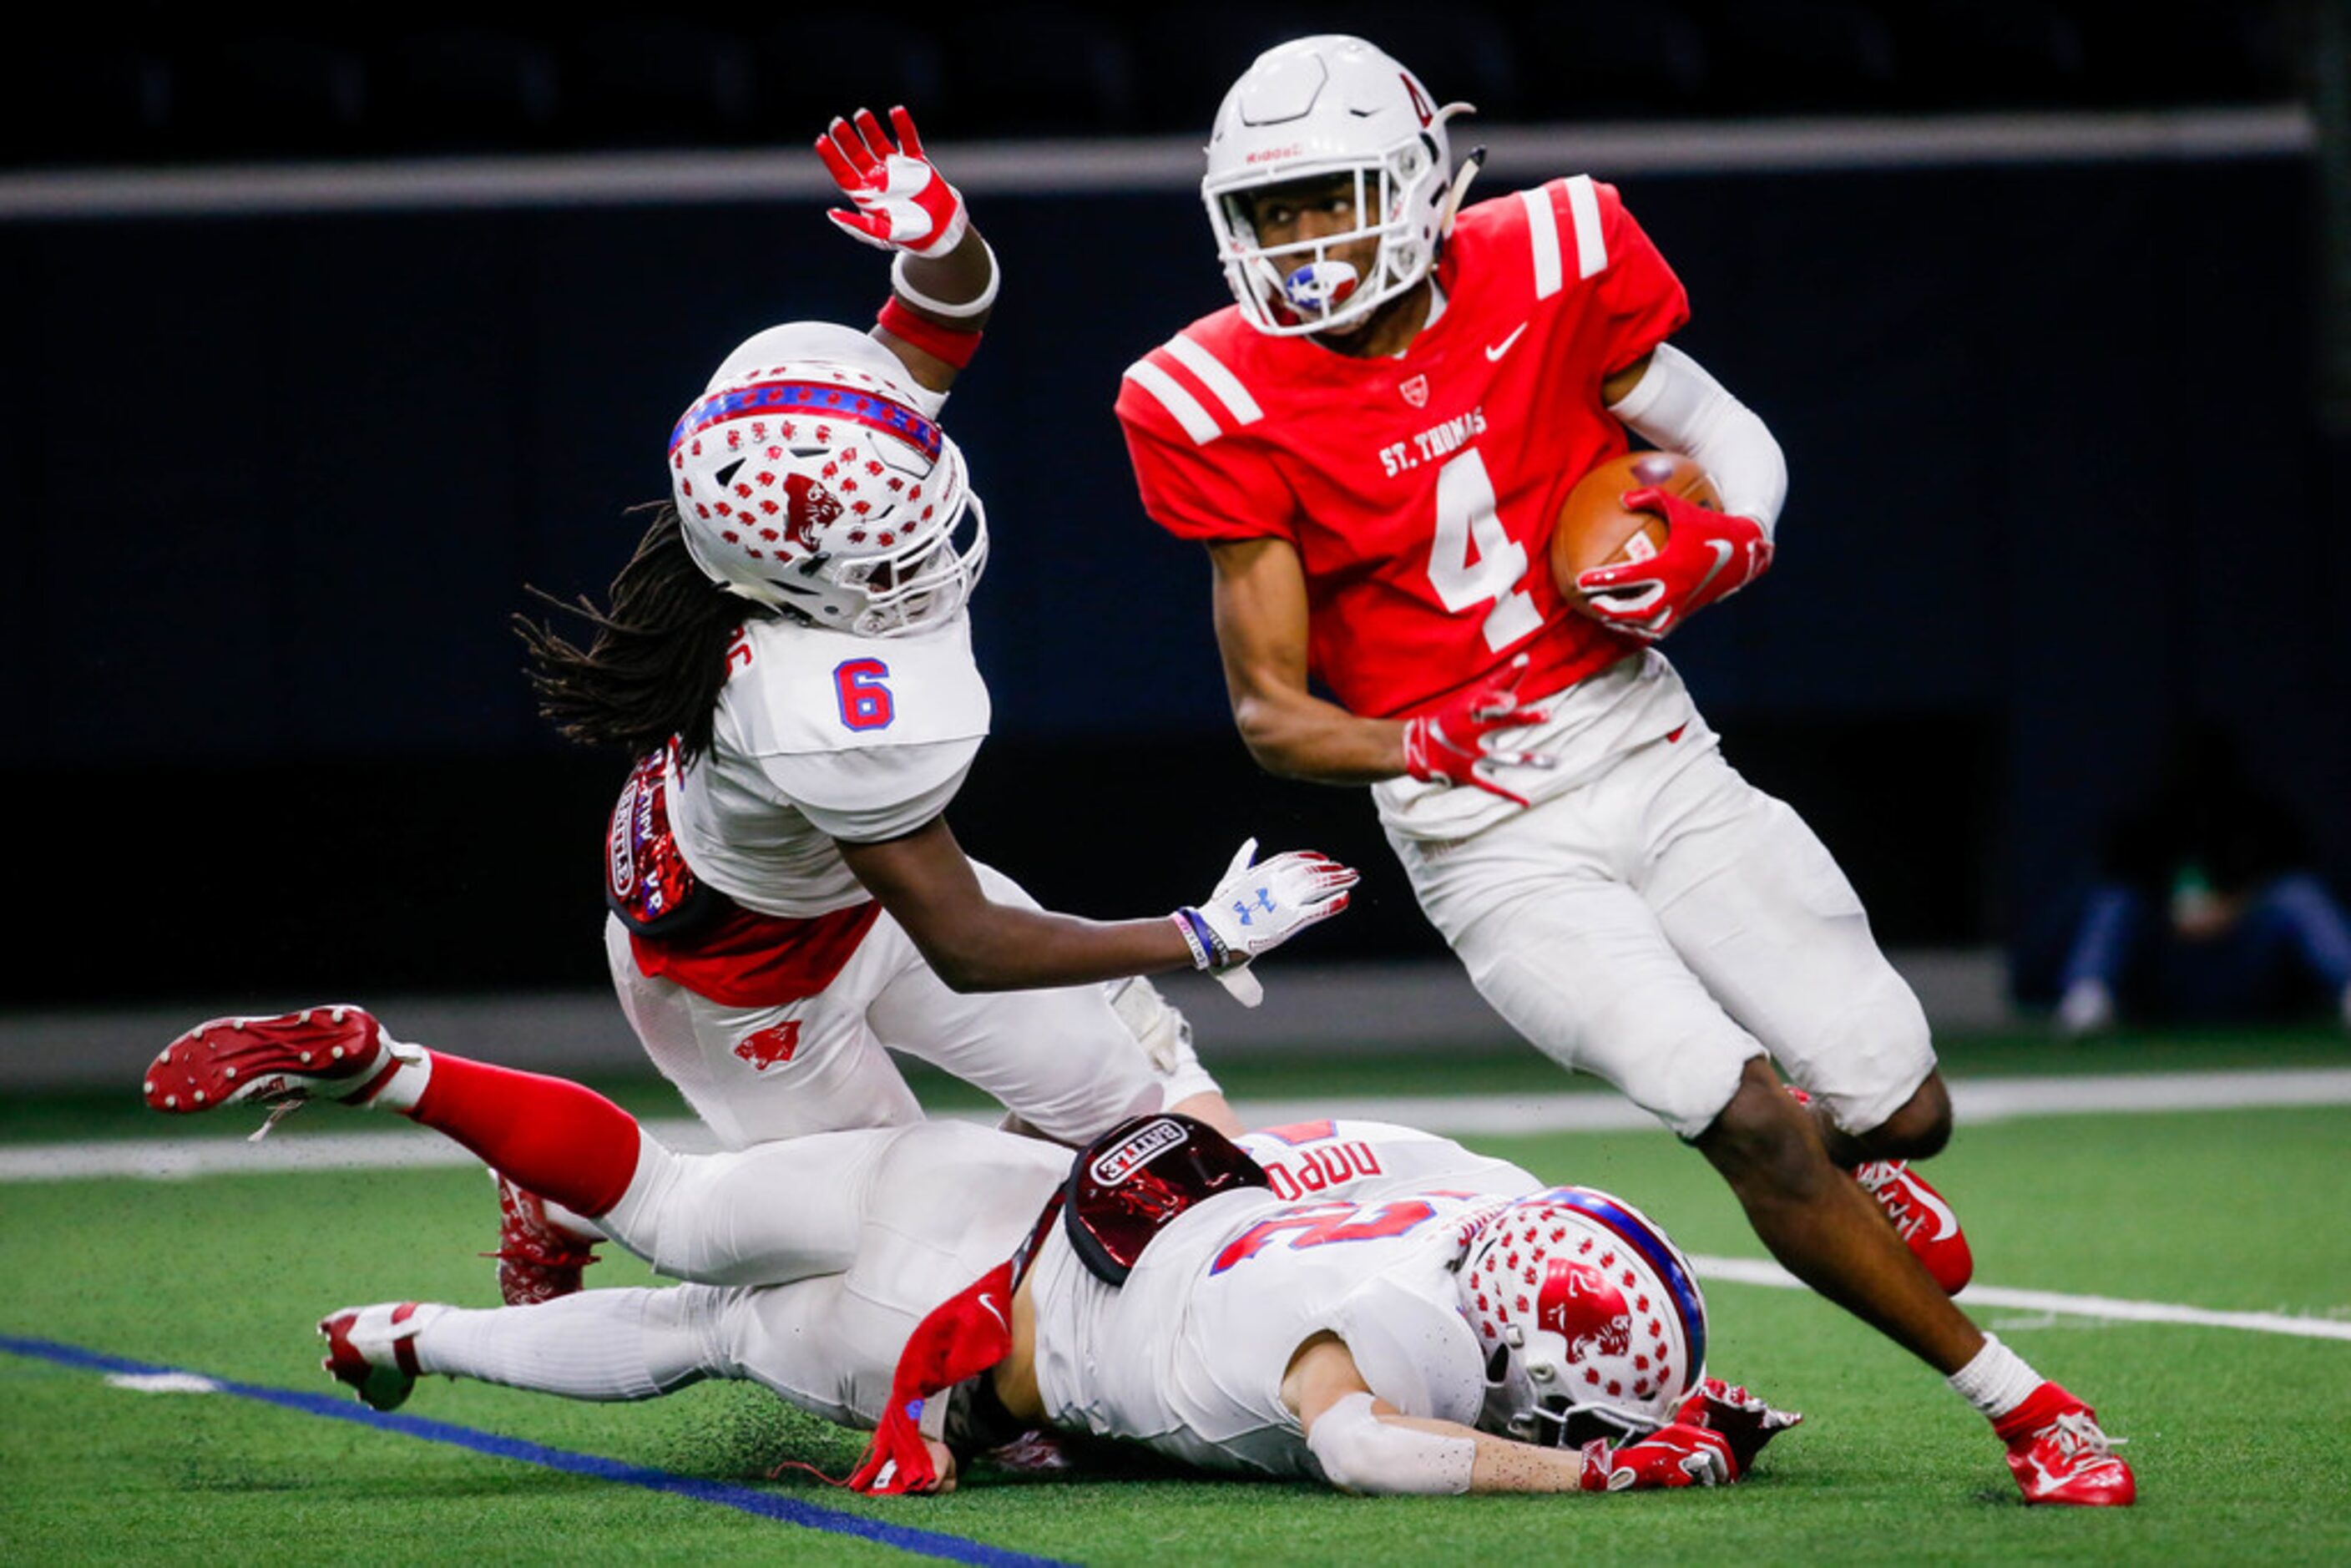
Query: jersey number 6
<point x="864" y="700"/>
<point x="1467" y="518"/>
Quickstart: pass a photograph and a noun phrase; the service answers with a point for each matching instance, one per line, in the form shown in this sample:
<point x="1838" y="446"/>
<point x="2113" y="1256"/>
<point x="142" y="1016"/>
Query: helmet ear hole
<point x="727" y="476"/>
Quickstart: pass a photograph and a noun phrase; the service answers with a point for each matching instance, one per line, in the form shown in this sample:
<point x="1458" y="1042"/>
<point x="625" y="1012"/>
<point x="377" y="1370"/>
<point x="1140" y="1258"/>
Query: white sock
<point x="405" y="1087"/>
<point x="599" y="1345"/>
<point x="1996" y="1381"/>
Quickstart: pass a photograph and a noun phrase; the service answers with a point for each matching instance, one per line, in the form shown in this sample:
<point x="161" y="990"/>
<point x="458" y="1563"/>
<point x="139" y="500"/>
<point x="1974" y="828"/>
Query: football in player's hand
<point x="1594" y="529"/>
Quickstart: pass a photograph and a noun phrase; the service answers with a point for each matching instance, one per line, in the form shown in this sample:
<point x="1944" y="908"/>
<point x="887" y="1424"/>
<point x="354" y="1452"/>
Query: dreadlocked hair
<point x="659" y="655"/>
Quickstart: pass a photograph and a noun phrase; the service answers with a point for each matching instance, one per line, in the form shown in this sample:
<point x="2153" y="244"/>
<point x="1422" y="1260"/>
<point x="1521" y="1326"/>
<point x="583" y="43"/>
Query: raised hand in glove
<point x="901" y="201"/>
<point x="1742" y="1418"/>
<point x="1456" y="745"/>
<point x="1258" y="907"/>
<point x="1676" y="1456"/>
<point x="1707" y="554"/>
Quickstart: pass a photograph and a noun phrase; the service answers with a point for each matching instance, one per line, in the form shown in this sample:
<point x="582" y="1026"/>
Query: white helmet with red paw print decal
<point x="1591" y="1320"/>
<point x="1328" y="105"/>
<point x="811" y="478"/>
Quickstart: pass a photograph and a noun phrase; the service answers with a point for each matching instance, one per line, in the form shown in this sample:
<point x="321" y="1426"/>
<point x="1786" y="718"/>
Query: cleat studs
<point x="305" y="1058"/>
<point x="337" y="1055"/>
<point x="171" y="1101"/>
<point x="228" y="1071"/>
<point x="200" y="1096"/>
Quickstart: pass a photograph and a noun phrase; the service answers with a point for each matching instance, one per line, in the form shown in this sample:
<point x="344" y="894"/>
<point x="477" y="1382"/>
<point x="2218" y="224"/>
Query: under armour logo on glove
<point x="1257" y="908"/>
<point x="901" y="201"/>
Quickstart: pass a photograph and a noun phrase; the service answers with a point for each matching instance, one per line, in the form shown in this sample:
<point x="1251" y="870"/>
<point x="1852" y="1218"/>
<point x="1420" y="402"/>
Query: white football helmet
<point x="809" y="478"/>
<point x="1320" y="106"/>
<point x="1591" y="1320"/>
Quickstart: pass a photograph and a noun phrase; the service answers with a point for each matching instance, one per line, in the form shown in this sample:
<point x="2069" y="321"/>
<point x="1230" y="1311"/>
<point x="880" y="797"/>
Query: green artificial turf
<point x="2238" y="1437"/>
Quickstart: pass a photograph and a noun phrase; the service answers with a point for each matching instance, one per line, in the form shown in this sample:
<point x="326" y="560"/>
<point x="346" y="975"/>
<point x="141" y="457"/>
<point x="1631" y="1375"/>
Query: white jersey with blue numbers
<point x="822" y="736"/>
<point x="1356" y="1238"/>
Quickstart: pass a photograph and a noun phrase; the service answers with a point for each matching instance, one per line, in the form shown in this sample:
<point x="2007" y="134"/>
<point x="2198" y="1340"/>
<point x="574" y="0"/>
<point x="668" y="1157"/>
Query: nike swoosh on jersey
<point x="995" y="1312"/>
<point x="1494" y="351"/>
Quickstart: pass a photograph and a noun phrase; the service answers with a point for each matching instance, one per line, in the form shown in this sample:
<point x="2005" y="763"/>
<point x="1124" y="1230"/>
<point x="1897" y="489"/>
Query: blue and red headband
<point x="820" y="399"/>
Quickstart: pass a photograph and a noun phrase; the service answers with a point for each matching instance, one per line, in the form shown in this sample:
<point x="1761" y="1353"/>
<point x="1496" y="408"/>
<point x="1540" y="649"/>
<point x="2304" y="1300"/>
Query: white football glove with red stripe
<point x="1707" y="554"/>
<point x="1257" y="908"/>
<point x="901" y="199"/>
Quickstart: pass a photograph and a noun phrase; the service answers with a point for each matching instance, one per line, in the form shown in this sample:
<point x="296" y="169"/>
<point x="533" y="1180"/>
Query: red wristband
<point x="955" y="345"/>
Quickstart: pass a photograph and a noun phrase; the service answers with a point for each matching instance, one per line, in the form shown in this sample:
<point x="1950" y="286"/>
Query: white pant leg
<point x="756" y="1074"/>
<point x="770" y="1213"/>
<point x="1758" y="908"/>
<point x="1063" y="1059"/>
<point x="1559" y="941"/>
<point x="950" y="1201"/>
<point x="598" y="1344"/>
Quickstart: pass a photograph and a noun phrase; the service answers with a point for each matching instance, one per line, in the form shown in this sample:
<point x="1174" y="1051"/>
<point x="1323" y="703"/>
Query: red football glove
<point x="1454" y="744"/>
<point x="1707" y="554"/>
<point x="1745" y="1422"/>
<point x="901" y="201"/>
<point x="1675" y="1456"/>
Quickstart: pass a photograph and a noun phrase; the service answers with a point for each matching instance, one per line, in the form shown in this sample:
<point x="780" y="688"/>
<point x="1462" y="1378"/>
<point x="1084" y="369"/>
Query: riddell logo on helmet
<point x="1274" y="155"/>
<point x="771" y="1047"/>
<point x="1136" y="1150"/>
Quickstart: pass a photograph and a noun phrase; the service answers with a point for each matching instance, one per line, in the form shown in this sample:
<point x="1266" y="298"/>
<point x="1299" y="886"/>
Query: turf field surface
<point x="2237" y="1436"/>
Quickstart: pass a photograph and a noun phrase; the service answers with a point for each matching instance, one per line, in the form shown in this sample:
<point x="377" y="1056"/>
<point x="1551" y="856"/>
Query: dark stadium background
<point x="2067" y="439"/>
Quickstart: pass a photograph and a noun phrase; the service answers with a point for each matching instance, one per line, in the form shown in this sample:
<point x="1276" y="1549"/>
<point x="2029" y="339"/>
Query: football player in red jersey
<point x="1371" y="443"/>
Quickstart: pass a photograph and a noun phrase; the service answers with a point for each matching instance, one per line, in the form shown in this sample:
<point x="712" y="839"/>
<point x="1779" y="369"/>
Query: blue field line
<point x="746" y="1499"/>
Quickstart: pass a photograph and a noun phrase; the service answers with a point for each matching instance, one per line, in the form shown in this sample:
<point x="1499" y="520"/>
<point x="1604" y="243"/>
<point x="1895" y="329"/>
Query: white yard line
<point x="1756" y="1271"/>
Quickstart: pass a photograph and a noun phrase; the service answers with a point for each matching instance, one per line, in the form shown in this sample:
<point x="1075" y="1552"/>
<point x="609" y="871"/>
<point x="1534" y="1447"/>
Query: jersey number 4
<point x="1472" y="560"/>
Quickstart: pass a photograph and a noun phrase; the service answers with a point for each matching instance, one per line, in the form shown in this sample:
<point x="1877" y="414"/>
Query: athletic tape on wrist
<point x="958" y="311"/>
<point x="956" y="345"/>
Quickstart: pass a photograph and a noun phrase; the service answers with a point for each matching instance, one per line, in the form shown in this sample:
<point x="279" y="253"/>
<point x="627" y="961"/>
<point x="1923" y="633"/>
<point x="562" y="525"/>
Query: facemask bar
<point x="1261" y="275"/>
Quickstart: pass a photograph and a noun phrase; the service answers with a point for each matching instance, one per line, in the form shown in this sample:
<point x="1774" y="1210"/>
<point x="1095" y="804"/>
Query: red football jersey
<point x="1420" y="491"/>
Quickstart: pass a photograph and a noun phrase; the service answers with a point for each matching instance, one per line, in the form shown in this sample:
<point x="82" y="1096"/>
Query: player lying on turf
<point x="1373" y="443"/>
<point x="1354" y="1302"/>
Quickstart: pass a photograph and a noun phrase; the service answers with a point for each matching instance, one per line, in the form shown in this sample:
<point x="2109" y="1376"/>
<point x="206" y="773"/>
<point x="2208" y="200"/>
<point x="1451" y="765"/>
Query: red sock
<point x="558" y="1139"/>
<point x="2041" y="1407"/>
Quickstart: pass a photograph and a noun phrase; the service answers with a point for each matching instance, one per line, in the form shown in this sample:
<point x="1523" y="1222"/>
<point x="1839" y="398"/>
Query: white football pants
<point x="1069" y="1061"/>
<point x="817" y="1257"/>
<point x="1664" y="922"/>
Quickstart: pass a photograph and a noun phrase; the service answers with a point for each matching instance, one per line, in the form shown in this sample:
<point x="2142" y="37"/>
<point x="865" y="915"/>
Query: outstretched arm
<point x="1365" y="1445"/>
<point x="977" y="944"/>
<point x="945" y="274"/>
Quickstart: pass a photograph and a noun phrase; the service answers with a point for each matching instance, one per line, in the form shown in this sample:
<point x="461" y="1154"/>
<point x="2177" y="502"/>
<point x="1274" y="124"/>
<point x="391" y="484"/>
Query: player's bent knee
<point x="1763" y="1142"/>
<point x="1920" y="1128"/>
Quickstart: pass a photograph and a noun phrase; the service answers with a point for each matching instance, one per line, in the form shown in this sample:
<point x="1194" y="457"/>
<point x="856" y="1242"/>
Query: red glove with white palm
<point x="1454" y="744"/>
<point x="1675" y="1456"/>
<point x="901" y="201"/>
<point x="1707" y="554"/>
<point x="1745" y="1422"/>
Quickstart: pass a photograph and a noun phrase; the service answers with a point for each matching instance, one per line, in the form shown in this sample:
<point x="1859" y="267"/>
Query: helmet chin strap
<point x="1460" y="191"/>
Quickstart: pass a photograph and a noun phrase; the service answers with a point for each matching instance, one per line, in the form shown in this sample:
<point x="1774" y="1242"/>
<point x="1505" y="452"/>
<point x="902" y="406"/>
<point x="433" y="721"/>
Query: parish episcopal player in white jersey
<point x="1371" y="443"/>
<point x="1347" y="1301"/>
<point x="788" y="655"/>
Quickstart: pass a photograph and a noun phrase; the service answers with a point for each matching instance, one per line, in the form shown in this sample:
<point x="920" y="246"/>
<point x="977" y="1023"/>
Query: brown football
<point x="1594" y="528"/>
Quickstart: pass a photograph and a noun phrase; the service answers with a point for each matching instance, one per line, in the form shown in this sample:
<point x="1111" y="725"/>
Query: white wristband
<point x="956" y="312"/>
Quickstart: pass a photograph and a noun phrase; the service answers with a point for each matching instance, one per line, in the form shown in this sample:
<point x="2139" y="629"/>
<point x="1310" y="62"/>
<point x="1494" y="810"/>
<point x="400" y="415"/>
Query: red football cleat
<point x="370" y="1349"/>
<point x="2058" y="1455"/>
<point x="538" y="1261"/>
<point x="1924" y="1221"/>
<point x="338" y="1053"/>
